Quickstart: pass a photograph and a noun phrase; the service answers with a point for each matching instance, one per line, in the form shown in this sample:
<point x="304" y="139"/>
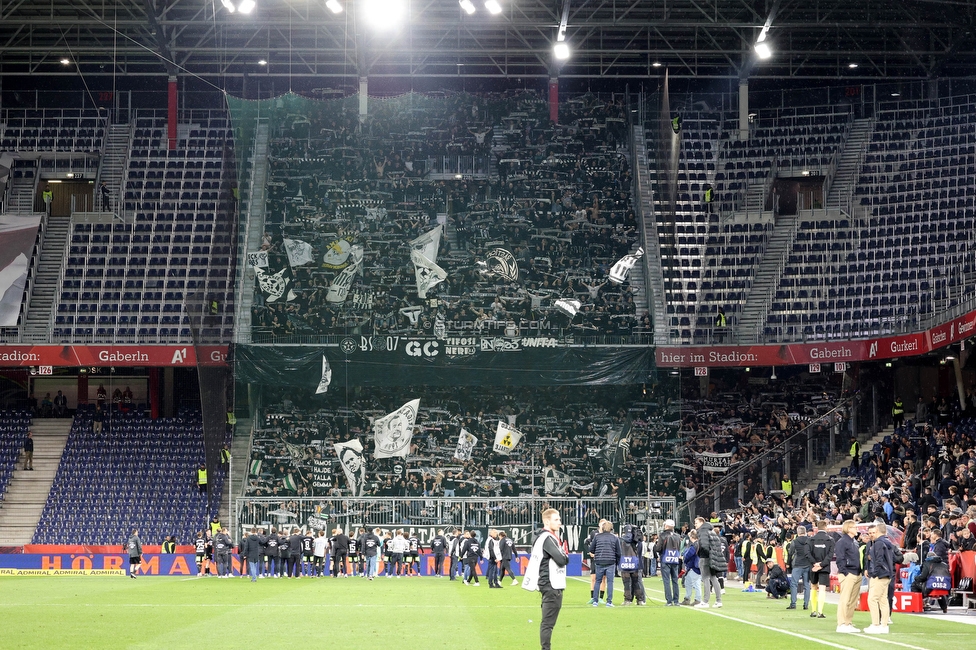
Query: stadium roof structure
<point x="856" y="40"/>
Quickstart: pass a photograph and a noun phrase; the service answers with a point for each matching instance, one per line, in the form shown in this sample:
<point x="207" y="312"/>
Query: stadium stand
<point x="13" y="433"/>
<point x="137" y="472"/>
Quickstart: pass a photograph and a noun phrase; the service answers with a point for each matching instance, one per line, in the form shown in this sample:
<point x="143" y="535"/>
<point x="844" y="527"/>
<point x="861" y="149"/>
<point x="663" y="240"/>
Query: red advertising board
<point x="791" y="354"/>
<point x="74" y="356"/>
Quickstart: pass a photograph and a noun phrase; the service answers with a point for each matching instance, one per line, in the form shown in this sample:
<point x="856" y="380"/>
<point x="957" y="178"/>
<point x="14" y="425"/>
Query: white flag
<point x="326" y="377"/>
<point x="465" y="445"/>
<point x="341" y="283"/>
<point x="568" y="306"/>
<point x="506" y="438"/>
<point x="258" y="259"/>
<point x="428" y="273"/>
<point x="299" y="252"/>
<point x="353" y="464"/>
<point x="428" y="243"/>
<point x="501" y="263"/>
<point x="556" y="482"/>
<point x="622" y="267"/>
<point x="392" y="433"/>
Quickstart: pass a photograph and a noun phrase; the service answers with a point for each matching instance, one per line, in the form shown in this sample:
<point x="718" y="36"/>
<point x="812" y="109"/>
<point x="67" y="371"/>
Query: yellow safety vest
<point x="898" y="409"/>
<point x="854" y="449"/>
<point x="787" y="487"/>
<point x="201" y="477"/>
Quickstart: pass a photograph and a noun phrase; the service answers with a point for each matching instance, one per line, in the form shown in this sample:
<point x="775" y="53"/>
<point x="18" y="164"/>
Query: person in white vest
<point x="546" y="573"/>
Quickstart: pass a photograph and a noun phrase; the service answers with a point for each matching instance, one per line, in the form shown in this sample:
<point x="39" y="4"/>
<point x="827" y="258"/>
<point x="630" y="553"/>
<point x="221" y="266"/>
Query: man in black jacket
<point x="848" y="556"/>
<point x="271" y="554"/>
<point x="470" y="555"/>
<point x="370" y="543"/>
<point x="668" y="548"/>
<point x="438" y="547"/>
<point x="881" y="569"/>
<point x="934" y="576"/>
<point x="509" y="553"/>
<point x="821" y="551"/>
<point x="222" y="548"/>
<point x="340" y="549"/>
<point x="296" y="545"/>
<point x="712" y="562"/>
<point x="253" y="550"/>
<point x="799" y="561"/>
<point x="605" y="549"/>
<point x="777" y="585"/>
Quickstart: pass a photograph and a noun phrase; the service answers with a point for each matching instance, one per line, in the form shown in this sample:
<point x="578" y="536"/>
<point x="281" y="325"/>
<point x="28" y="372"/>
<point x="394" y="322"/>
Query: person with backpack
<point x="631" y="544"/>
<point x="712" y="561"/>
<point x="668" y="548"/>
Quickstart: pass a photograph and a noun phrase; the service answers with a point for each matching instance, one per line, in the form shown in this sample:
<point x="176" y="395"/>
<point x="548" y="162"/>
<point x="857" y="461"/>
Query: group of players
<point x="293" y="553"/>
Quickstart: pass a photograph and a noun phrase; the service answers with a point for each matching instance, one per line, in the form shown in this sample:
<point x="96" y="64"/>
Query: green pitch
<point x="408" y="613"/>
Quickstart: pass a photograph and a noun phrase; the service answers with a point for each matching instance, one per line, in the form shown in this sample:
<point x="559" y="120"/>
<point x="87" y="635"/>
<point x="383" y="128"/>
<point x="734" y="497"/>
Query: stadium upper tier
<point x="526" y="213"/>
<point x="882" y="242"/>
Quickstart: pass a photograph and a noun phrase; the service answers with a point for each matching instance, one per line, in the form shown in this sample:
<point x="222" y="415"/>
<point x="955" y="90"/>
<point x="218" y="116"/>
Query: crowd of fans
<point x="495" y="172"/>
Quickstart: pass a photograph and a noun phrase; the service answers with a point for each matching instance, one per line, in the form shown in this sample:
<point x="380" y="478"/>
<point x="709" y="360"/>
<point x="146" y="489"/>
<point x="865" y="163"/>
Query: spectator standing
<point x="134" y="545"/>
<point x="605" y="549"/>
<point x="546" y="573"/>
<point x="105" y="195"/>
<point x="438" y="545"/>
<point x="799" y="561"/>
<point x="202" y="478"/>
<point x="714" y="564"/>
<point x="509" y="553"/>
<point x="340" y="551"/>
<point x="253" y="550"/>
<point x="29" y="452"/>
<point x="881" y="569"/>
<point x="692" y="571"/>
<point x="668" y="547"/>
<point x="470" y="554"/>
<point x="371" y="548"/>
<point x="60" y="405"/>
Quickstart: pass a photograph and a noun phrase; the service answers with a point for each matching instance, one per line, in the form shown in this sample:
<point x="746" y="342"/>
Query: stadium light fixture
<point x="561" y="51"/>
<point x="243" y="6"/>
<point x="262" y="62"/>
<point x="334" y="6"/>
<point x="493" y="7"/>
<point x="65" y="61"/>
<point x="656" y="64"/>
<point x="384" y="14"/>
<point x="896" y="94"/>
<point x="468" y="6"/>
<point x="851" y="65"/>
<point x="763" y="51"/>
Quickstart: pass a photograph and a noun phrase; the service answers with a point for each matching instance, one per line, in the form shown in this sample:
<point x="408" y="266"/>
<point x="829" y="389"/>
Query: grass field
<point x="408" y="613"/>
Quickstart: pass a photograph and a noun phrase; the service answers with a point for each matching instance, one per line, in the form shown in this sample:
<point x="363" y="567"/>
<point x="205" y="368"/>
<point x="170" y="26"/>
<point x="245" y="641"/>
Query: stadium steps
<point x="849" y="165"/>
<point x="37" y="326"/>
<point x="21" y="194"/>
<point x="767" y="278"/>
<point x="256" y="206"/>
<point x="653" y="297"/>
<point x="811" y="482"/>
<point x="114" y="161"/>
<point x="27" y="492"/>
<point x="240" y="454"/>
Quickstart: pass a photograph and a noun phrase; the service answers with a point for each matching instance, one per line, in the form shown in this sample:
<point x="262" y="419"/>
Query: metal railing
<point x="424" y="515"/>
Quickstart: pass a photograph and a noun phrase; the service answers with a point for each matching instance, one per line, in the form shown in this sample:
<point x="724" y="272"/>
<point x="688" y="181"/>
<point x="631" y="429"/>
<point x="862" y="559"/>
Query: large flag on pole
<point x="620" y="270"/>
<point x="465" y="445"/>
<point x="392" y="433"/>
<point x="299" y="252"/>
<point x="506" y="438"/>
<point x="353" y="463"/>
<point x="326" y="377"/>
<point x="556" y="482"/>
<point x="423" y="254"/>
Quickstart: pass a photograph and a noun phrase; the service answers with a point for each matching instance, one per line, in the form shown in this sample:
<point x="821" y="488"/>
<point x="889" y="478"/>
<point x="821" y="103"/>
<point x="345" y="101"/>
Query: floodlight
<point x="561" y="51"/>
<point x="246" y="6"/>
<point x="262" y="62"/>
<point x="493" y="7"/>
<point x="228" y="5"/>
<point x="656" y="64"/>
<point x="334" y="6"/>
<point x="384" y="14"/>
<point x="852" y="65"/>
<point x="65" y="61"/>
<point x="468" y="6"/>
<point x="763" y="51"/>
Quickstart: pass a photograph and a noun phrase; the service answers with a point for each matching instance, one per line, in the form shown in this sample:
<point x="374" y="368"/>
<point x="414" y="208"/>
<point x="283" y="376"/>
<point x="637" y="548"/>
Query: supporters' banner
<point x="392" y="433"/>
<point x="465" y="445"/>
<point x="299" y="252"/>
<point x="258" y="260"/>
<point x="428" y="273"/>
<point x="353" y="463"/>
<point x="275" y="285"/>
<point x="506" y="439"/>
<point x="556" y="482"/>
<point x="288" y="482"/>
<point x="501" y="263"/>
<point x="17" y="236"/>
<point x="714" y="462"/>
<point x="340" y="285"/>
<point x="337" y="254"/>
<point x="321" y="475"/>
<point x="619" y="448"/>
<point x="620" y="270"/>
<point x="255" y="467"/>
<point x="568" y="306"/>
<point x="428" y="243"/>
<point x="326" y="377"/>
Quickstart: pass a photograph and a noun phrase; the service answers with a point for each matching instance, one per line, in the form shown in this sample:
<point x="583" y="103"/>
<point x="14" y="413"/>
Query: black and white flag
<point x="556" y="482"/>
<point x="714" y="462"/>
<point x="501" y="263"/>
<point x="619" y="271"/>
<point x="275" y="285"/>
<point x="568" y="306"/>
<point x="392" y="433"/>
<point x="326" y="377"/>
<point x="465" y="445"/>
<point x="423" y="254"/>
<point x="343" y="281"/>
<point x="258" y="260"/>
<point x="299" y="252"/>
<point x="353" y="463"/>
<point x="506" y="439"/>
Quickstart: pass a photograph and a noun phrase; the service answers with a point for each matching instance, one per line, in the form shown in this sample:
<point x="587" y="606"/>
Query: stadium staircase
<point x="115" y="159"/>
<point x="842" y="188"/>
<point x="767" y="278"/>
<point x="27" y="493"/>
<point x="651" y="263"/>
<point x="812" y="480"/>
<point x="256" y="206"/>
<point x="240" y="453"/>
<point x="37" y="326"/>
<point x="21" y="193"/>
